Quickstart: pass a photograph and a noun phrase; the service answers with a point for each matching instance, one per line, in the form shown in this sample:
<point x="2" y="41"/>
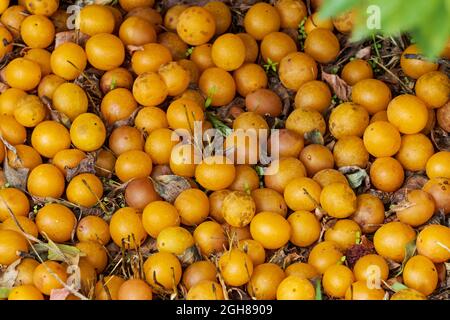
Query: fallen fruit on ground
<point x="239" y="150"/>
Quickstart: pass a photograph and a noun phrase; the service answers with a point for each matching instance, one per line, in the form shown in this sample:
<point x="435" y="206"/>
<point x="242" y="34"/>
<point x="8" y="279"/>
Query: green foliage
<point x="426" y="21"/>
<point x="4" y="292"/>
<point x="113" y="84"/>
<point x="189" y="51"/>
<point x="318" y="288"/>
<point x="410" y="250"/>
<point x="398" y="286"/>
<point x="301" y="33"/>
<point x="270" y="66"/>
<point x="357" y="178"/>
<point x="358" y="237"/>
<point x="219" y="125"/>
<point x="211" y="92"/>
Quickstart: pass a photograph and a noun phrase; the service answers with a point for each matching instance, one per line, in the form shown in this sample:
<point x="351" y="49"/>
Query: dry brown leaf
<point x="148" y="247"/>
<point x="224" y="112"/>
<point x="416" y="181"/>
<point x="8" y="277"/>
<point x="238" y="294"/>
<point x="59" y="294"/>
<point x="87" y="165"/>
<point x="15" y="177"/>
<point x="385" y="197"/>
<point x="342" y="90"/>
<point x="443" y="116"/>
<point x="95" y="211"/>
<point x="170" y="186"/>
<point x="364" y="53"/>
<point x="128" y="121"/>
<point x="357" y="251"/>
<point x="70" y="36"/>
<point x="442" y="274"/>
<point x="282" y="92"/>
<point x="189" y="256"/>
<point x="74" y="279"/>
<point x="441" y="139"/>
<point x="55" y="115"/>
<point x="161" y="170"/>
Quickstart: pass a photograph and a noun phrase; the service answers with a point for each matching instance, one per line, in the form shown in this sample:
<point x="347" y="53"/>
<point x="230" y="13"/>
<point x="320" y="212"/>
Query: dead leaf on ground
<point x="284" y="94"/>
<point x="238" y="294"/>
<point x="189" y="256"/>
<point x="314" y="137"/>
<point x="59" y="294"/>
<point x="288" y="255"/>
<point x="416" y="181"/>
<point x="364" y="53"/>
<point x="342" y="90"/>
<point x="87" y="165"/>
<point x="148" y="247"/>
<point x="224" y="112"/>
<point x="15" y="177"/>
<point x="9" y="276"/>
<point x="170" y="186"/>
<point x="74" y="279"/>
<point x="94" y="211"/>
<point x="75" y="36"/>
<point x="55" y="115"/>
<point x="357" y="177"/>
<point x="440" y="138"/>
<point x="385" y="197"/>
<point x="161" y="170"/>
<point x="128" y="121"/>
<point x="357" y="251"/>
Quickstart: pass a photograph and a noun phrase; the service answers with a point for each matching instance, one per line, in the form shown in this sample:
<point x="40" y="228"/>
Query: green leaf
<point x="208" y="102"/>
<point x="247" y="189"/>
<point x="54" y="253"/>
<point x="189" y="51"/>
<point x="332" y="8"/>
<point x="432" y="39"/>
<point x="66" y="250"/>
<point x="219" y="125"/>
<point x="211" y="93"/>
<point x="401" y="15"/>
<point x="314" y="137"/>
<point x="357" y="178"/>
<point x="301" y="25"/>
<point x="398" y="286"/>
<point x="270" y="65"/>
<point x="410" y="249"/>
<point x="259" y="170"/>
<point x="358" y="237"/>
<point x="4" y="293"/>
<point x="113" y="84"/>
<point x="426" y="21"/>
<point x="318" y="289"/>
